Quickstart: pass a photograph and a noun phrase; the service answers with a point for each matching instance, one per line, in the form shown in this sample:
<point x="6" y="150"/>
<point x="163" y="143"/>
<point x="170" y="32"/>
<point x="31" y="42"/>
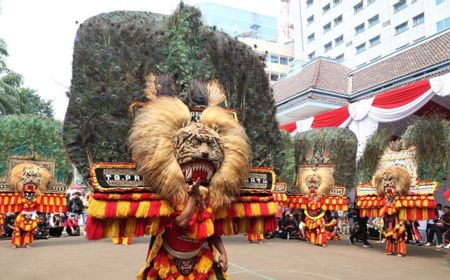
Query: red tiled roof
<point x="320" y="74"/>
<point x="408" y="62"/>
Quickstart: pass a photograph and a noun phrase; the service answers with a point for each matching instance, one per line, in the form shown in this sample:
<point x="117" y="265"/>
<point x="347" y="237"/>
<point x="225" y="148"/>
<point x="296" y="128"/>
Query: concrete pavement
<point x="75" y="258"/>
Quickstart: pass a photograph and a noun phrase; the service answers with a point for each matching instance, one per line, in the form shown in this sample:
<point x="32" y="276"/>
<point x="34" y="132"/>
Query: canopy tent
<point x="364" y="116"/>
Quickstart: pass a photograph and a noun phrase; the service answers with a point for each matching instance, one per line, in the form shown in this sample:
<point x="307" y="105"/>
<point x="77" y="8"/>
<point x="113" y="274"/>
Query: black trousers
<point x="361" y="233"/>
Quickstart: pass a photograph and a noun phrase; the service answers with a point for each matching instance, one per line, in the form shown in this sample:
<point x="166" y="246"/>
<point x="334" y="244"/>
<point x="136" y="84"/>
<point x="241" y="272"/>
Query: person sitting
<point x="42" y="230"/>
<point x="442" y="227"/>
<point x="56" y="225"/>
<point x="289" y="228"/>
<point x="72" y="227"/>
<point x="431" y="227"/>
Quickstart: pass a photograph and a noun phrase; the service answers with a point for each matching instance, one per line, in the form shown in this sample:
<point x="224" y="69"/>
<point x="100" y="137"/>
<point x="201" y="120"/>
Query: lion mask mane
<point x="164" y="141"/>
<point x="322" y="180"/>
<point x="28" y="173"/>
<point x="393" y="178"/>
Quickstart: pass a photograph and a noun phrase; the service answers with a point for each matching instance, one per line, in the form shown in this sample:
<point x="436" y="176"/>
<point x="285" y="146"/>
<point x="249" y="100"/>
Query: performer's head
<point x="392" y="180"/>
<point x="29" y="178"/>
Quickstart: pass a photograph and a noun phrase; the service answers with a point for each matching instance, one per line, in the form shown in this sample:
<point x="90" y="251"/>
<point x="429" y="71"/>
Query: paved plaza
<point x="75" y="258"/>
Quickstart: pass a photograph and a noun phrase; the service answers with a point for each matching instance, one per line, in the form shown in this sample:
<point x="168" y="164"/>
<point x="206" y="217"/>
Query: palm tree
<point x="10" y="83"/>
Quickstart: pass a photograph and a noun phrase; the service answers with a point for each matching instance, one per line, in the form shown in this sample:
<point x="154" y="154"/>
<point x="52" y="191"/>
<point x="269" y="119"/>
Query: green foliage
<point x="114" y="52"/>
<point x="289" y="168"/>
<point x="431" y="137"/>
<point x="375" y="147"/>
<point x="329" y="145"/>
<point x="14" y="98"/>
<point x="186" y="55"/>
<point x="33" y="136"/>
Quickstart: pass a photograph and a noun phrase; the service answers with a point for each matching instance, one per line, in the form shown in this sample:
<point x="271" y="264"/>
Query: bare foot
<point x="389" y="253"/>
<point x="14" y="246"/>
<point x="400" y="255"/>
<point x="28" y="246"/>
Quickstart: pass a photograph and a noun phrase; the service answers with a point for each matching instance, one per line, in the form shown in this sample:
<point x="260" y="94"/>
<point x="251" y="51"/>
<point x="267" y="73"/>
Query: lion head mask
<point x="392" y="180"/>
<point x="29" y="179"/>
<point x="172" y="151"/>
<point x="318" y="181"/>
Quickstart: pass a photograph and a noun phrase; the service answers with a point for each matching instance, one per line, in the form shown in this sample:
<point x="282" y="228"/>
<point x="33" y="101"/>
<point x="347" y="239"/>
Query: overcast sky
<point x="40" y="34"/>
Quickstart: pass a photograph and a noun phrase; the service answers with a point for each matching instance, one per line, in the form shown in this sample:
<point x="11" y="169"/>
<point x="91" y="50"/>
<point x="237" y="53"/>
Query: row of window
<point x="337" y="41"/>
<point x="443" y="24"/>
<point x="372" y="43"/>
<point x="327" y="7"/>
<point x="279" y="59"/>
<point x="419" y="19"/>
<point x="276" y="76"/>
<point x="370" y="22"/>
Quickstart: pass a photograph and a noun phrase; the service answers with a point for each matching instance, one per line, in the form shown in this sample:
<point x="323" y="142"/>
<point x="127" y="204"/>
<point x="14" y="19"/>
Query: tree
<point x="289" y="169"/>
<point x="16" y="99"/>
<point x="9" y="83"/>
<point x="33" y="137"/>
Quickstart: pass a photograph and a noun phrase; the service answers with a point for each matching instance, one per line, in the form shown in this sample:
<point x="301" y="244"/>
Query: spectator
<point x="431" y="226"/>
<point x="361" y="231"/>
<point x="56" y="225"/>
<point x="290" y="228"/>
<point x="72" y="227"/>
<point x="42" y="230"/>
<point x="75" y="204"/>
<point x="442" y="226"/>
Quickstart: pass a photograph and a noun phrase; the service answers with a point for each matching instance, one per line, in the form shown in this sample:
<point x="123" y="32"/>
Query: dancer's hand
<point x="194" y="189"/>
<point x="223" y="262"/>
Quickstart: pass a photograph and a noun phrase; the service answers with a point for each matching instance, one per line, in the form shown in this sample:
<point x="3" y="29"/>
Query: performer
<point x="390" y="183"/>
<point x="28" y="182"/>
<point x="31" y="181"/>
<point x="24" y="227"/>
<point x="314" y="185"/>
<point x="316" y="153"/>
<point x="393" y="197"/>
<point x="2" y="221"/>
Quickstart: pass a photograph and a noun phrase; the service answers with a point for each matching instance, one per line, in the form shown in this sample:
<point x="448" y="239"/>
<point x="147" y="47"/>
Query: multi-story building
<point x="357" y="32"/>
<point x="255" y="30"/>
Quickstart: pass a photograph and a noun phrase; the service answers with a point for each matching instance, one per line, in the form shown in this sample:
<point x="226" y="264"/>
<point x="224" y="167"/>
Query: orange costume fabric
<point x="316" y="232"/>
<point x="161" y="262"/>
<point x="2" y="221"/>
<point x="23" y="231"/>
<point x="394" y="229"/>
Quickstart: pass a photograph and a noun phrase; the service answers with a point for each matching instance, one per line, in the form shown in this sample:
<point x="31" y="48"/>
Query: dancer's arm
<point x="183" y="219"/>
<point x="217" y="242"/>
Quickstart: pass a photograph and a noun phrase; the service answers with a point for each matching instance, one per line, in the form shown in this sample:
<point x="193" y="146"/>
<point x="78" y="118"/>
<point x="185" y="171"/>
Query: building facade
<point x="357" y="32"/>
<point x="255" y="30"/>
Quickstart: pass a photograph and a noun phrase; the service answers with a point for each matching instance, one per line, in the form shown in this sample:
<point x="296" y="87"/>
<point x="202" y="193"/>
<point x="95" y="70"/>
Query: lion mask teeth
<point x="198" y="169"/>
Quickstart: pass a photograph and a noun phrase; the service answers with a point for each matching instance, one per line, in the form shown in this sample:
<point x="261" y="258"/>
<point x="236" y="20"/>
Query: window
<point x="311" y="37"/>
<point x="274" y="76"/>
<point x="339" y="40"/>
<point x="419" y="19"/>
<point x="337" y="2"/>
<point x="310" y="19"/>
<point x="327" y="27"/>
<point x="283" y="60"/>
<point x="375" y="58"/>
<point x="402" y="47"/>
<point x="291" y="59"/>
<point x="402" y="27"/>
<point x="328" y="46"/>
<point x="338" y="20"/>
<point x="358" y="7"/>
<point x="326" y="8"/>
<point x="360" y="28"/>
<point x="443" y="24"/>
<point x="312" y="55"/>
<point x="374" y="41"/>
<point x="340" y="58"/>
<point x="374" y="20"/>
<point x="360" y="48"/>
<point x="309" y="2"/>
<point x="439" y="2"/>
<point x="400" y="5"/>
<point x="274" y="58"/>
<point x="369" y="2"/>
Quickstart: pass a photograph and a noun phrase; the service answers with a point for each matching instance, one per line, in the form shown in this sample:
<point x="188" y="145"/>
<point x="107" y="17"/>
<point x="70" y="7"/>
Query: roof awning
<point x="362" y="117"/>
